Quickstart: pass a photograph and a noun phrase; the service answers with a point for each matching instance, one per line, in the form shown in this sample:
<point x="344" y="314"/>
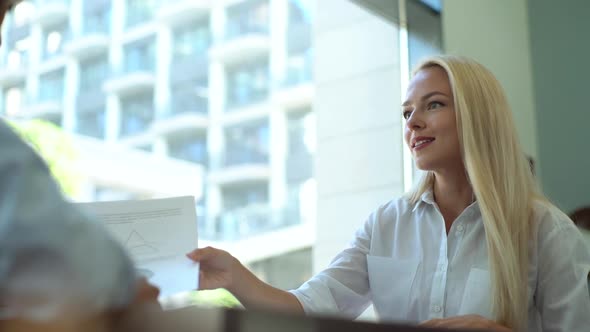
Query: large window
<point x="137" y="113"/>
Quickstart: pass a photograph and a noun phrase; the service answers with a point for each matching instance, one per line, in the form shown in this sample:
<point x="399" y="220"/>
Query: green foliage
<point x="57" y="149"/>
<point x="214" y="298"/>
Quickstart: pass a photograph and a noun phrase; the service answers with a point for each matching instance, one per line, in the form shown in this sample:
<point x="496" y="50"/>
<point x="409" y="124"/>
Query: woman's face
<point x="431" y="129"/>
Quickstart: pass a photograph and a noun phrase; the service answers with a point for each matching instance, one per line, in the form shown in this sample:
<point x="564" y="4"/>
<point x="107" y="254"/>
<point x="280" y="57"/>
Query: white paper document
<point x="157" y="234"/>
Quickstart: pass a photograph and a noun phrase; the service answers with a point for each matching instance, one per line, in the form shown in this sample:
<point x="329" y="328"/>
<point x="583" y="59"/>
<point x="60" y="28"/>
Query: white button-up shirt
<point x="404" y="262"/>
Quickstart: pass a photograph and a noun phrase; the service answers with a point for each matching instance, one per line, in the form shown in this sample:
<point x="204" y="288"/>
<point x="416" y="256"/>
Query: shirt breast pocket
<point x="477" y="297"/>
<point x="391" y="282"/>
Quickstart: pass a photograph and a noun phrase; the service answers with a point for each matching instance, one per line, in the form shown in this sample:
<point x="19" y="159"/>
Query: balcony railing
<point x="251" y="220"/>
<point x="133" y="124"/>
<point x="145" y="64"/>
<point x="237" y="29"/>
<point x="236" y="156"/>
<point x="188" y="104"/>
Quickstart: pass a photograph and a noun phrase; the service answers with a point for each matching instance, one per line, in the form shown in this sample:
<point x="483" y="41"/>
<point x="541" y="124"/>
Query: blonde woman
<point x="475" y="245"/>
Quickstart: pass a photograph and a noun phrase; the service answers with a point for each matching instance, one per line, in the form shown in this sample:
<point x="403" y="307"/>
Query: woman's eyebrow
<point x="426" y="96"/>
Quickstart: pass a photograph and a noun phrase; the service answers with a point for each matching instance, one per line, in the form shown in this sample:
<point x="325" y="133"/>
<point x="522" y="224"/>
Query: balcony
<point x="189" y="67"/>
<point x="42" y="109"/>
<point x="240" y="167"/>
<point x="180" y="121"/>
<point x="246" y="114"/>
<point x="137" y="78"/>
<point x="242" y="44"/>
<point x="12" y="76"/>
<point x="183" y="11"/>
<point x="297" y="90"/>
<point x="52" y="12"/>
<point x="91" y="43"/>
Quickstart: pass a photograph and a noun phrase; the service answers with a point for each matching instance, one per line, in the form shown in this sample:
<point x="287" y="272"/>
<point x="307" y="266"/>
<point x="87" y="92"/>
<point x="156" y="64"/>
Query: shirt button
<point x="436" y="308"/>
<point x="460" y="229"/>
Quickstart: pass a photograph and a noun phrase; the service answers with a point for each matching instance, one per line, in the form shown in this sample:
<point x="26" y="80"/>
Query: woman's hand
<point x="217" y="268"/>
<point x="466" y="322"/>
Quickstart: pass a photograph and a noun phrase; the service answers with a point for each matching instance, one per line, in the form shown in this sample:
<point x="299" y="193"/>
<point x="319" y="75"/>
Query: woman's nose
<point x="415" y="122"/>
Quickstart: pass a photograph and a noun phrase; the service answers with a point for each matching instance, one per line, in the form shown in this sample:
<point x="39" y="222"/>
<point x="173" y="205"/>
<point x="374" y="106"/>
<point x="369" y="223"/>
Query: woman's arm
<point x="219" y="269"/>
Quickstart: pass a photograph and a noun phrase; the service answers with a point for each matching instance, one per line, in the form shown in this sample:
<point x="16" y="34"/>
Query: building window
<point x="247" y="18"/>
<point x="140" y="56"/>
<point x="54" y="39"/>
<point x="248" y="84"/>
<point x="299" y="68"/>
<point x="91" y="123"/>
<point x="245" y="211"/>
<point x="97" y="21"/>
<point x="140" y="11"/>
<point x="52" y="86"/>
<point x="192" y="40"/>
<point x="137" y="113"/>
<point x="93" y="72"/>
<point x="247" y="144"/>
<point x="189" y="146"/>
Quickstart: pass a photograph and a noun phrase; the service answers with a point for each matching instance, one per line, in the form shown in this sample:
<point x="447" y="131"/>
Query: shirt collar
<point x="426" y="197"/>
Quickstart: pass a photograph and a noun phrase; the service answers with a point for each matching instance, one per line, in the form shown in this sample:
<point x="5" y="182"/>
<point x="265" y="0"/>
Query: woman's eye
<point x="406" y="114"/>
<point x="434" y="105"/>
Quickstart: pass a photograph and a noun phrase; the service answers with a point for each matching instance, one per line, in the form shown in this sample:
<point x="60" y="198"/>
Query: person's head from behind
<point x="66" y="274"/>
<point x="458" y="120"/>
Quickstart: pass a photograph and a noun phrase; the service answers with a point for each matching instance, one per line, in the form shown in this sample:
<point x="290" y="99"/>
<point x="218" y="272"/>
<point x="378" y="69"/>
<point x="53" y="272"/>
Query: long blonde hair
<point x="501" y="179"/>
